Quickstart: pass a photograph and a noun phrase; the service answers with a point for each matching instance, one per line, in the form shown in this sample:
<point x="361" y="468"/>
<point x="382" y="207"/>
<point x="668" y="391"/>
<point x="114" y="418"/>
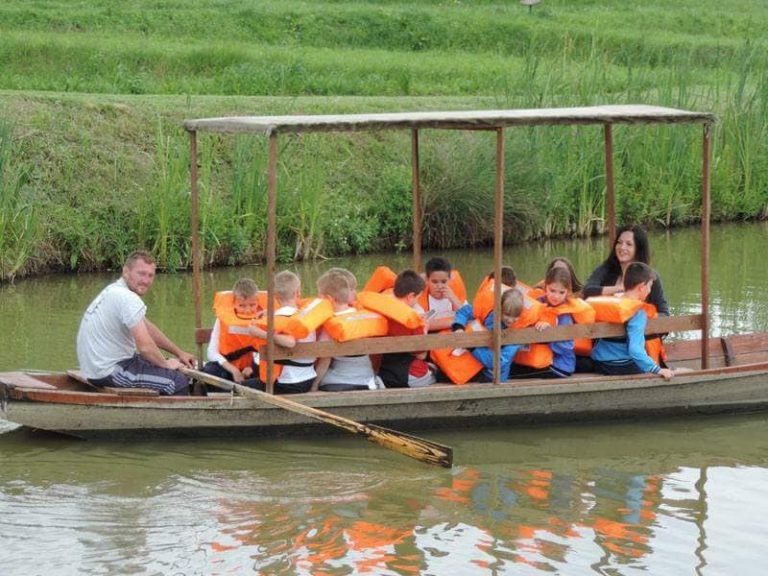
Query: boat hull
<point x="93" y="414"/>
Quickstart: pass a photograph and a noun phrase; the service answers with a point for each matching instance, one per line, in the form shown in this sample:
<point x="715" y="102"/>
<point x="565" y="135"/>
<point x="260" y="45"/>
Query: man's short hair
<point x="408" y="282"/>
<point x="137" y="255"/>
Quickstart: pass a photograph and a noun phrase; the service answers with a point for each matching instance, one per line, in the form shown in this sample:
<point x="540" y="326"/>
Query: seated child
<point x="554" y="359"/>
<point x="406" y="369"/>
<point x="232" y="354"/>
<point x="296" y="375"/>
<point x="341" y="373"/>
<point x="627" y="355"/>
<point x="562" y="262"/>
<point x="445" y="293"/>
<point x="511" y="308"/>
<point x="351" y="281"/>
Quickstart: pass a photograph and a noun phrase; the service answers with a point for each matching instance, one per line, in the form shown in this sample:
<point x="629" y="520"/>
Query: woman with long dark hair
<point x="631" y="245"/>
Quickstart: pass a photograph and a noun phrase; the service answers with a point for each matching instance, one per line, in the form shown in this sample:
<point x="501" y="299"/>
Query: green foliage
<point x="18" y="218"/>
<point x="99" y="165"/>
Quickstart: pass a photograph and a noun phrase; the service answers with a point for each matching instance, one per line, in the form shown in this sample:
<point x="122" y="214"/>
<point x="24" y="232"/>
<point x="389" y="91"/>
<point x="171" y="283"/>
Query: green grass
<point x="95" y="163"/>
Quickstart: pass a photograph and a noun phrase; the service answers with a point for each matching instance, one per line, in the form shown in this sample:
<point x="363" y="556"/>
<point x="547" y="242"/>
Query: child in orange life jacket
<point x="341" y="373"/>
<point x="511" y="308"/>
<point x="232" y="356"/>
<point x="562" y="262"/>
<point x="406" y="369"/>
<point x="296" y="375"/>
<point x="440" y="294"/>
<point x="561" y="355"/>
<point x="351" y="282"/>
<point x="618" y="356"/>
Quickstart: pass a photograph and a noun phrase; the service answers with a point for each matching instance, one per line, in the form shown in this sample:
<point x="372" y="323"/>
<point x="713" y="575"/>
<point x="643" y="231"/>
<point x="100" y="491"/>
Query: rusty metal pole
<point x="271" y="255"/>
<point x="610" y="193"/>
<point x="415" y="186"/>
<point x="705" y="217"/>
<point x="196" y="256"/>
<point x="498" y="245"/>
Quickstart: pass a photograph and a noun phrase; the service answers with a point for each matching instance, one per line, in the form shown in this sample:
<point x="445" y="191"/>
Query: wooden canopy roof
<point x="475" y="119"/>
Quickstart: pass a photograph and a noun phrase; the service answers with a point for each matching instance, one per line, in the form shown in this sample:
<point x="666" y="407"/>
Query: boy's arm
<point x="284" y="340"/>
<point x="322" y="364"/>
<point x="636" y="343"/>
<point x="462" y="317"/>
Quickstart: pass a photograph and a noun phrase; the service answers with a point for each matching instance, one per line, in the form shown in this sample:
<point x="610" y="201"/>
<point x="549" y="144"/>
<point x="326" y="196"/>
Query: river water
<point x="687" y="496"/>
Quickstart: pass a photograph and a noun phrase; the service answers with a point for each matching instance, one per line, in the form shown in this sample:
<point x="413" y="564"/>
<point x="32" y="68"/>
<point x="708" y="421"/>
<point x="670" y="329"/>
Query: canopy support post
<point x="416" y="188"/>
<point x="610" y="193"/>
<point x="271" y="255"/>
<point x="196" y="257"/>
<point x="498" y="245"/>
<point x="705" y="217"/>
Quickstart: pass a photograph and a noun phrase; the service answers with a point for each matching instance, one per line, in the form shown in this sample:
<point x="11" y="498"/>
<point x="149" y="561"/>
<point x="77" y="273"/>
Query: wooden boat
<point x="736" y="382"/>
<point x="729" y="374"/>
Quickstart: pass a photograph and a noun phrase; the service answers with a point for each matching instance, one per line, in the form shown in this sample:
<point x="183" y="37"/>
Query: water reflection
<point x="676" y="497"/>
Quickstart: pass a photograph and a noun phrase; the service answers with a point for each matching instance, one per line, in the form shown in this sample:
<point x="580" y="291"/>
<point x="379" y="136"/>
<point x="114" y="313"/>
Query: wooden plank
<point x="464" y="340"/>
<point x="23" y="380"/>
<point x="691" y="350"/>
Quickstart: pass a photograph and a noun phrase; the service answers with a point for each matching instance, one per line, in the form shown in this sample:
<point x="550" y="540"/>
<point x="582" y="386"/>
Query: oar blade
<point x="413" y="446"/>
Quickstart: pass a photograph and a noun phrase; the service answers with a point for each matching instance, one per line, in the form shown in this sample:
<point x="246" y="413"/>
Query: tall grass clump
<point x="18" y="218"/>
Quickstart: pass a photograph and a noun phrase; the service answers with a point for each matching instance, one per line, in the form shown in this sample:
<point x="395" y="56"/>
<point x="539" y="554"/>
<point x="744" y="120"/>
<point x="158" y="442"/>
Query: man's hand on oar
<point x="413" y="446"/>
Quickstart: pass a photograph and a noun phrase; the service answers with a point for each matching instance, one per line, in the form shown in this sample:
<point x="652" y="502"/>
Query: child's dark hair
<point x="437" y="265"/>
<point x="508" y="276"/>
<point x="560" y="276"/>
<point x="637" y="273"/>
<point x="408" y="282"/>
<point x="576" y="285"/>
<point x="642" y="247"/>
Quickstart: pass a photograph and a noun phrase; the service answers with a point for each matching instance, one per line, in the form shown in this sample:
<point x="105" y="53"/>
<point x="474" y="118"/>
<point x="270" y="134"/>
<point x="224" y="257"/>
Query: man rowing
<point x="118" y="346"/>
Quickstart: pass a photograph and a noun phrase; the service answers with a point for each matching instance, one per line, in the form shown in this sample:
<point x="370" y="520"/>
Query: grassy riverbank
<point x="93" y="162"/>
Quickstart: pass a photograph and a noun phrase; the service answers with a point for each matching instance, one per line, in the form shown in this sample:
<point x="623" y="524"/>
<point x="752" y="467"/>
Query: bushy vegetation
<point x="93" y="161"/>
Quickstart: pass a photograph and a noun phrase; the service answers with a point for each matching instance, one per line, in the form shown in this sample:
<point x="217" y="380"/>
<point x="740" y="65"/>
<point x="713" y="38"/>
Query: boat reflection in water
<point x="605" y="507"/>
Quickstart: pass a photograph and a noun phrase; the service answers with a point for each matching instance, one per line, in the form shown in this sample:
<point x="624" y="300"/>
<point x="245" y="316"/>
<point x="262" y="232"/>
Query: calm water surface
<point x="655" y="497"/>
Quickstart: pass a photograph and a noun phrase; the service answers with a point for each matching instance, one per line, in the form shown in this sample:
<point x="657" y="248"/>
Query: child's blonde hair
<point x="512" y="303"/>
<point x="287" y="284"/>
<point x="351" y="280"/>
<point x="245" y="288"/>
<point x="335" y="285"/>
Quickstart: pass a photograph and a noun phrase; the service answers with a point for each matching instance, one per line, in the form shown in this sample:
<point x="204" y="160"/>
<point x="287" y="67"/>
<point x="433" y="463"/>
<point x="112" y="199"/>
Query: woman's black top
<point x="604" y="276"/>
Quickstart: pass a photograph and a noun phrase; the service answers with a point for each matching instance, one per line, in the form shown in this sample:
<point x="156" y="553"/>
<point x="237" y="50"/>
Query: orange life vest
<point x="539" y="355"/>
<point x="482" y="305"/>
<point x="455" y="283"/>
<point x="460" y="369"/>
<point x="235" y="344"/>
<point x="312" y="314"/>
<point x="381" y="279"/>
<point x="389" y="306"/>
<point x="355" y="324"/>
<point x="619" y="310"/>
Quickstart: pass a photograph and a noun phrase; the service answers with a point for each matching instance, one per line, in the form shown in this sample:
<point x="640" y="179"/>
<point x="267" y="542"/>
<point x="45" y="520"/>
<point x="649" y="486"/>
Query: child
<point x="627" y="355"/>
<point x="232" y="354"/>
<point x="296" y="375"/>
<point x="511" y="308"/>
<point x="562" y="262"/>
<point x="406" y="369"/>
<point x="445" y="293"/>
<point x="341" y="373"/>
<point x="554" y="359"/>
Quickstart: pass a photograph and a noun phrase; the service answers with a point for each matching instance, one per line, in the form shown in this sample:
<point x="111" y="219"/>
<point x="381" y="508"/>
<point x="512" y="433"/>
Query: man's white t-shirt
<point x="105" y="338"/>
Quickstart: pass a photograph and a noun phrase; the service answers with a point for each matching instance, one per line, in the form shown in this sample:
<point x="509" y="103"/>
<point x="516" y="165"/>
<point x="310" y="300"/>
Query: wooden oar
<point x="413" y="446"/>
